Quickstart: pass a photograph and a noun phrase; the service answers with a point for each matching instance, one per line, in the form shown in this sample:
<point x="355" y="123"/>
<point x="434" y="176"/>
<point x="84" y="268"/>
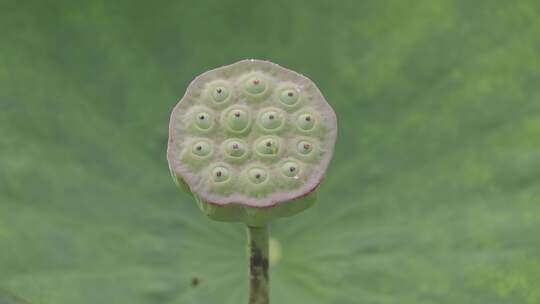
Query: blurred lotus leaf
<point x="432" y="197"/>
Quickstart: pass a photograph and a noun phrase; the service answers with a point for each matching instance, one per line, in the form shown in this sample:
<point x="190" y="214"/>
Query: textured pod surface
<point x="251" y="133"/>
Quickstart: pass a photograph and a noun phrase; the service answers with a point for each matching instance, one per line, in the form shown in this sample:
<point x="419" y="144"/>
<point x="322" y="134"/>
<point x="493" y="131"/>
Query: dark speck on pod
<point x="290" y="94"/>
<point x="204" y="121"/>
<point x="290" y="169"/>
<point x="271" y="119"/>
<point x="198" y="148"/>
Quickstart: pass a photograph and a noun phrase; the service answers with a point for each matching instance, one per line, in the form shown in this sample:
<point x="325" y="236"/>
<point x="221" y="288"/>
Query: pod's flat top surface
<point x="252" y="133"/>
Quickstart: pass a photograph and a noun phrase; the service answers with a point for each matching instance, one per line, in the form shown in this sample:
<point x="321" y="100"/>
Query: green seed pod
<point x="251" y="141"/>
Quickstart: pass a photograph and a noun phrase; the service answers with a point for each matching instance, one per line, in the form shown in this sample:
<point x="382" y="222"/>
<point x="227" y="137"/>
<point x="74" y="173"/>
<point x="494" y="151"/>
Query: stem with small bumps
<point x="258" y="265"/>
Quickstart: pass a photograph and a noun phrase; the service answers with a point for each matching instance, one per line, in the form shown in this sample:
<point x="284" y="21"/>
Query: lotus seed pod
<point x="251" y="142"/>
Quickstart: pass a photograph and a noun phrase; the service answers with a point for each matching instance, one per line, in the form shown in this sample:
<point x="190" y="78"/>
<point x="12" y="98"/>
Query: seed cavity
<point x="289" y="96"/>
<point x="220" y="174"/>
<point x="257" y="175"/>
<point x="235" y="148"/>
<point x="220" y="94"/>
<point x="202" y="149"/>
<point x="237" y="120"/>
<point x="268" y="146"/>
<point x="271" y="119"/>
<point x="305" y="122"/>
<point x="304" y="147"/>
<point x="204" y="121"/>
<point x="255" y="85"/>
<point x="290" y="168"/>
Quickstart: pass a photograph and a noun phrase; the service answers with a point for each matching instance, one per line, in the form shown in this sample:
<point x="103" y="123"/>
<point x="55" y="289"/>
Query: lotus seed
<point x="220" y="174"/>
<point x="220" y="94"/>
<point x="268" y="146"/>
<point x="305" y="122"/>
<point x="235" y="148"/>
<point x="255" y="86"/>
<point x="289" y="169"/>
<point x="304" y="147"/>
<point x="257" y="175"/>
<point x="289" y="97"/>
<point x="205" y="121"/>
<point x="238" y="120"/>
<point x="270" y="120"/>
<point x="202" y="149"/>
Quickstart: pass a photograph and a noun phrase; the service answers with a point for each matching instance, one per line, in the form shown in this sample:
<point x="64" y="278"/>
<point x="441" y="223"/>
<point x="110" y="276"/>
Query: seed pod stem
<point x="258" y="265"/>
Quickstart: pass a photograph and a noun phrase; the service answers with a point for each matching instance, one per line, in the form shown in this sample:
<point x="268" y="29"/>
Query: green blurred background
<point x="433" y="195"/>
